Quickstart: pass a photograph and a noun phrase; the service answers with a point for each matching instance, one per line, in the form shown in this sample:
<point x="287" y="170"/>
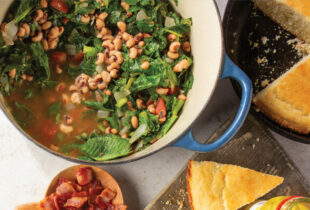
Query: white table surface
<point x="26" y="170"/>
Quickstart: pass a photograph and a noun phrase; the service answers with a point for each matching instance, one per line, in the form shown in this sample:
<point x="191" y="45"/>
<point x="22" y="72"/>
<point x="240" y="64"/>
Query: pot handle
<point x="230" y="70"/>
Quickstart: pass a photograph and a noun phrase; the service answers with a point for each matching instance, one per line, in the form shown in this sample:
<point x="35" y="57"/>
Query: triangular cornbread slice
<point x="215" y="186"/>
<point x="287" y="99"/>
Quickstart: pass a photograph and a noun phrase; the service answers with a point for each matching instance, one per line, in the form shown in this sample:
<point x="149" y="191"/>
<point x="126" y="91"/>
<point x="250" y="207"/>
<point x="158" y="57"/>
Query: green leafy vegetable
<point x="105" y="147"/>
<point x="54" y="109"/>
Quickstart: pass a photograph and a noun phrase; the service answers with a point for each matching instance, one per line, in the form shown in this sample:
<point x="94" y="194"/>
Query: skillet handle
<point x="230" y="70"/>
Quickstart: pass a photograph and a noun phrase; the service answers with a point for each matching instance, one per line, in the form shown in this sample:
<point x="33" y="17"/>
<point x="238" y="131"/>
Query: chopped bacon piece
<point x="106" y="195"/>
<point x="80" y="194"/>
<point x="84" y="175"/>
<point x="49" y="203"/>
<point x="76" y="202"/>
<point x="65" y="189"/>
<point x="120" y="207"/>
<point x="95" y="187"/>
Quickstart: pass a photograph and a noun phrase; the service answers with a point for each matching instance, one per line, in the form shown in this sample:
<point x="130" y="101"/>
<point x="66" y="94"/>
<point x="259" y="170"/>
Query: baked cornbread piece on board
<point x="215" y="186"/>
<point x="287" y="99"/>
<point x="292" y="15"/>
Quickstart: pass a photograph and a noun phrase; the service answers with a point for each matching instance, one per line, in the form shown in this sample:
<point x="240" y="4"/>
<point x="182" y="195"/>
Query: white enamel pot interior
<point x="207" y="49"/>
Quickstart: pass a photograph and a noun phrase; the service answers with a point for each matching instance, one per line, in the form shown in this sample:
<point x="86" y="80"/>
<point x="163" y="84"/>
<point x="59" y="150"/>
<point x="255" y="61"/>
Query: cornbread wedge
<point x="214" y="186"/>
<point x="287" y="99"/>
<point x="292" y="15"/>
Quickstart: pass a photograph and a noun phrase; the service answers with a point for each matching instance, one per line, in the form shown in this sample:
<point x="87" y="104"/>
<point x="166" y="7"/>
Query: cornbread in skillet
<point x="287" y="99"/>
<point x="292" y="15"/>
<point x="215" y="186"/>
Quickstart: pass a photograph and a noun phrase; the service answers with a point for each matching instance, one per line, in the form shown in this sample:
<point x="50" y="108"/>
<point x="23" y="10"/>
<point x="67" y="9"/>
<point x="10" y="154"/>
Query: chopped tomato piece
<point x="60" y="6"/>
<point x="77" y="59"/>
<point x="173" y="91"/>
<point x="161" y="107"/>
<point x="59" y="57"/>
<point x="84" y="176"/>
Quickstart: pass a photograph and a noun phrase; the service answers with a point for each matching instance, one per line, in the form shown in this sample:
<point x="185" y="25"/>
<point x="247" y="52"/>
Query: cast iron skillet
<point x="245" y="32"/>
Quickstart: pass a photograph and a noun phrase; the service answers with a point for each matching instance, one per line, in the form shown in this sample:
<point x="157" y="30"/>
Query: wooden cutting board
<point x="253" y="147"/>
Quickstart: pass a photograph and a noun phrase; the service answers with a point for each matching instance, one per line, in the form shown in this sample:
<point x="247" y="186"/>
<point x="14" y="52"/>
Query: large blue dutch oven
<point x="210" y="64"/>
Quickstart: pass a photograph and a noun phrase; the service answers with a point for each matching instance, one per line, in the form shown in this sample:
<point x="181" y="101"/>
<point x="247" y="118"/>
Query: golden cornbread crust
<point x="292" y="15"/>
<point x="287" y="99"/>
<point x="214" y="186"/>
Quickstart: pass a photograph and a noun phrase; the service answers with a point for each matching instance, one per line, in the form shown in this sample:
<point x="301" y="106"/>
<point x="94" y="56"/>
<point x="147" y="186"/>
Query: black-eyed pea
<point x="106" y="43"/>
<point x="107" y="130"/>
<point x="125" y="5"/>
<point x="119" y="57"/>
<point x="113" y="66"/>
<point x="102" y="85"/>
<point x="76" y="98"/>
<point x="54" y="32"/>
<point x="173" y="55"/>
<point x="58" y="69"/>
<point x="182" y="97"/>
<point x="61" y="30"/>
<point x="105" y="123"/>
<point x="108" y="37"/>
<point x="29" y="78"/>
<point x="38" y="37"/>
<point x="162" y="91"/>
<point x="92" y="84"/>
<point x="103" y="16"/>
<point x="140" y="51"/>
<point x="45" y="44"/>
<point x="134" y="122"/>
<point x="84" y="90"/>
<point x="126" y="36"/>
<point x="47" y="25"/>
<point x="145" y="65"/>
<point x="174" y="46"/>
<point x="12" y="73"/>
<point x="186" y="46"/>
<point x="106" y="76"/>
<point x="133" y="52"/>
<point x="43" y="19"/>
<point x="85" y="19"/>
<point x="138" y="37"/>
<point x="66" y="128"/>
<point x="151" y="109"/>
<point x="23" y="76"/>
<point x="39" y="15"/>
<point x="104" y="31"/>
<point x="52" y="43"/>
<point x="141" y="44"/>
<point x="130" y="43"/>
<point x="114" y="73"/>
<point x="114" y="131"/>
<point x="68" y="120"/>
<point x="171" y="37"/>
<point x="107" y="92"/>
<point x="43" y="4"/>
<point x="162" y="120"/>
<point x="27" y="28"/>
<point x="124" y="136"/>
<point x="21" y="32"/>
<point x="99" y="24"/>
<point x="65" y="98"/>
<point x="140" y="104"/>
<point x="179" y="67"/>
<point x="122" y="26"/>
<point x="100" y="58"/>
<point x="146" y="35"/>
<point x="118" y="44"/>
<point x="73" y="88"/>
